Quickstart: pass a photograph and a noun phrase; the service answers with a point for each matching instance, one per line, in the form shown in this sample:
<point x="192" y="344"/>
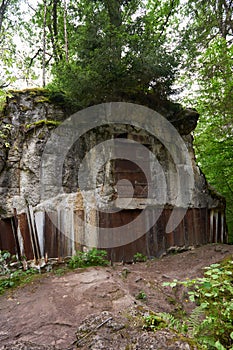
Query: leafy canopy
<point x="208" y="50"/>
<point x="117" y="50"/>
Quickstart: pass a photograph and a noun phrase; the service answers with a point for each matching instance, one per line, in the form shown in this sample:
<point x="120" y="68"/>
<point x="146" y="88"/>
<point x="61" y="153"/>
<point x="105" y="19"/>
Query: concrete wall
<point x="148" y="195"/>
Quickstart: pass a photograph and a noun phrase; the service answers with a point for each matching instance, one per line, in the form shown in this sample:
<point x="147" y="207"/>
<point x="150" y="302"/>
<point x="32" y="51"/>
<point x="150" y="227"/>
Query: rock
<point x="162" y="339"/>
<point x="138" y="279"/>
<point x="25" y="345"/>
<point x="185" y="121"/>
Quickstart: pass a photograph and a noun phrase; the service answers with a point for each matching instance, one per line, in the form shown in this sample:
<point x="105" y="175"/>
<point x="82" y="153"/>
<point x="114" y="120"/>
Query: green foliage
<point x="4" y="257"/>
<point x="60" y="272"/>
<point x="16" y="278"/>
<point x="210" y="323"/>
<point x="93" y="257"/>
<point x="139" y="257"/>
<point x="206" y="41"/>
<point x="10" y="278"/>
<point x="160" y="320"/>
<point x="11" y="56"/>
<point x="141" y="295"/>
<point x="214" y="134"/>
<point x="201" y="21"/>
<point x="208" y="78"/>
<point x="4" y="135"/>
<point x="117" y="50"/>
<point x="154" y="322"/>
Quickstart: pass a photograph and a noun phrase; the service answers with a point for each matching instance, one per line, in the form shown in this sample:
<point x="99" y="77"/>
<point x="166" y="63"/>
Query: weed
<point x="93" y="257"/>
<point x="139" y="257"/>
<point x="4" y="257"/>
<point x="60" y="271"/>
<point x="16" y="278"/>
<point x="153" y="322"/>
<point x="141" y="295"/>
<point x="210" y="323"/>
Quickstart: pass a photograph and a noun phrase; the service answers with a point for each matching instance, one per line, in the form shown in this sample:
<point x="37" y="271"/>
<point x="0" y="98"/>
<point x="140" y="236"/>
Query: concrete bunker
<point x="127" y="208"/>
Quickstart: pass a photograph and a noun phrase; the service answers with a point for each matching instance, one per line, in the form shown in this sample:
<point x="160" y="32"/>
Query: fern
<point x="210" y="323"/>
<point x="196" y="320"/>
<point x="172" y="322"/>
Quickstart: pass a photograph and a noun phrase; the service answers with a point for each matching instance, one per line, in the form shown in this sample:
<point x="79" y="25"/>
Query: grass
<point x="16" y="279"/>
<point x="11" y="277"/>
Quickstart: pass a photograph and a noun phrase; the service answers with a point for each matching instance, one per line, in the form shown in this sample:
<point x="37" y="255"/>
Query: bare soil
<point x="98" y="308"/>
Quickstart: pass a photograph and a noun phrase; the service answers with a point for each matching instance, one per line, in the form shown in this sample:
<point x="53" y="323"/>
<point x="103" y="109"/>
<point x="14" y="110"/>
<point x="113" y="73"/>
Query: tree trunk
<point x="3" y="8"/>
<point x="44" y="46"/>
<point x="65" y="32"/>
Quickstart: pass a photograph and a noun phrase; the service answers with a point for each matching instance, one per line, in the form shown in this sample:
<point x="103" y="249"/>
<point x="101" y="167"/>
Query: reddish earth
<point x="100" y="305"/>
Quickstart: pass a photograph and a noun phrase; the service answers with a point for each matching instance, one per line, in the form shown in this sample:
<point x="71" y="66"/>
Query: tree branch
<point x="167" y="19"/>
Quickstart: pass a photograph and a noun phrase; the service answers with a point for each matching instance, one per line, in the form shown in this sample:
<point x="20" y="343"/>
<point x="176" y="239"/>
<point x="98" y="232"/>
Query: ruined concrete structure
<point x="37" y="220"/>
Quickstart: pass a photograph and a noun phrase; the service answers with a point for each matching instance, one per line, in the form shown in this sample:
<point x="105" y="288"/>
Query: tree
<point x="44" y="44"/>
<point x="214" y="135"/>
<point x="12" y="29"/>
<point x="47" y="37"/>
<point x="118" y="50"/>
<point x="3" y="9"/>
<point x="129" y="38"/>
<point x="208" y="43"/>
<point x="6" y="47"/>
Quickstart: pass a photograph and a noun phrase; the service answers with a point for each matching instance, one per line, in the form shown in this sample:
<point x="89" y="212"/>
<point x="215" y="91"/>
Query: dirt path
<point x="99" y="303"/>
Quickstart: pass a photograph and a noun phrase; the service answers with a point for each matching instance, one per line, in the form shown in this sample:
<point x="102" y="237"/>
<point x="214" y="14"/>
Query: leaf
<point x="204" y="305"/>
<point x="192" y="298"/>
<point x="219" y="346"/>
<point x="173" y="284"/>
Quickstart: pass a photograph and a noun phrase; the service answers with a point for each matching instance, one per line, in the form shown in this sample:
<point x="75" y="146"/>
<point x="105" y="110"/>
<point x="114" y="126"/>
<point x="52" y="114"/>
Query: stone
<point x="76" y="211"/>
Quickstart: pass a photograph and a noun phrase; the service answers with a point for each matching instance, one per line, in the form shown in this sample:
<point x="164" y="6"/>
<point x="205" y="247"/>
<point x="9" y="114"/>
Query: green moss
<point x="43" y="122"/>
<point x="3" y="98"/>
<point x="24" y="108"/>
<point x="42" y="99"/>
<point x="191" y="342"/>
<point x="2" y="104"/>
<point x="30" y="91"/>
<point x="41" y="95"/>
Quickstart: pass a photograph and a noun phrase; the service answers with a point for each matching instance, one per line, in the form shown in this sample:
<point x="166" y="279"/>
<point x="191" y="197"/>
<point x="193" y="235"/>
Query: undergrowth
<point x="16" y="278"/>
<point x="12" y="273"/>
<point x="93" y="257"/>
<point x="210" y="324"/>
<point x="10" y="277"/>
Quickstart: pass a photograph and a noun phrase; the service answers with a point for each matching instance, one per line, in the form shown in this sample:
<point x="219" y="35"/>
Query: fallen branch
<point x="79" y="341"/>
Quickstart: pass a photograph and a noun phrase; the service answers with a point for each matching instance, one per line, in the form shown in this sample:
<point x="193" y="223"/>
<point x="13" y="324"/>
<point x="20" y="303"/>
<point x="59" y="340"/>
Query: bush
<point x="141" y="295"/>
<point x="139" y="257"/>
<point x="12" y="276"/>
<point x="93" y="257"/>
<point x="4" y="257"/>
<point x="16" y="278"/>
<point x="211" y="322"/>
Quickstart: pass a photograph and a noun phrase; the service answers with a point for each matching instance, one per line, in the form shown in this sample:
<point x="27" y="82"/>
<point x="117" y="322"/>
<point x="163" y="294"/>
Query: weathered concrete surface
<point x="58" y="224"/>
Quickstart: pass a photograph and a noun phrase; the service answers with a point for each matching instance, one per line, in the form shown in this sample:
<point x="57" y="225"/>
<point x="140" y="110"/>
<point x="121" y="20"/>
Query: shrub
<point x="4" y="257"/>
<point x="16" y="278"/>
<point x="141" y="295"/>
<point x="211" y="322"/>
<point x="93" y="257"/>
<point x="139" y="257"/>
